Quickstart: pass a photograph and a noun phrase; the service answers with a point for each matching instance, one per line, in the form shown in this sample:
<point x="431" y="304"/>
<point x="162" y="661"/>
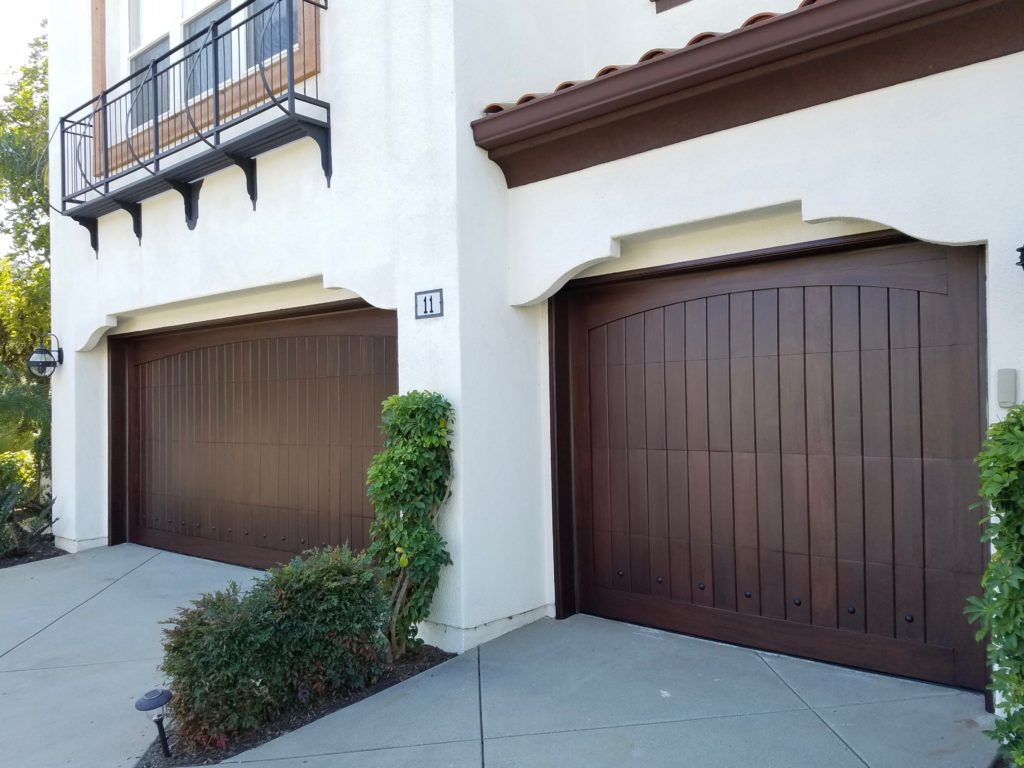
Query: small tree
<point x="408" y="483"/>
<point x="1000" y="611"/>
<point x="24" y="136"/>
<point x="25" y="271"/>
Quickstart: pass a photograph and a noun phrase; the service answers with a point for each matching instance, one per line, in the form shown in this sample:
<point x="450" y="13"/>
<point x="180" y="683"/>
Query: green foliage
<point x="25" y="415"/>
<point x="24" y="309"/>
<point x="23" y="155"/>
<point x="25" y="272"/>
<point x="19" y="468"/>
<point x="24" y="519"/>
<point x="310" y="629"/>
<point x="1000" y="611"/>
<point x="408" y="482"/>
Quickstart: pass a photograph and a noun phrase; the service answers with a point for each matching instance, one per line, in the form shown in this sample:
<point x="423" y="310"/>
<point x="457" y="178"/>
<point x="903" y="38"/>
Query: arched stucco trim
<point x="224" y="306"/>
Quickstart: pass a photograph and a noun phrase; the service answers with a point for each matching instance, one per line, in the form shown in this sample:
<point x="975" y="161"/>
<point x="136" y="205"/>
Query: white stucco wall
<point x="414" y="204"/>
<point x="897" y="157"/>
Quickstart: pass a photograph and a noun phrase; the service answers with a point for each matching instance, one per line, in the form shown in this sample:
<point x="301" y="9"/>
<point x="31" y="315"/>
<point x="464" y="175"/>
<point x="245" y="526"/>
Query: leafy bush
<point x="19" y="468"/>
<point x="24" y="519"/>
<point x="310" y="629"/>
<point x="24" y="418"/>
<point x="1000" y="611"/>
<point x="408" y="483"/>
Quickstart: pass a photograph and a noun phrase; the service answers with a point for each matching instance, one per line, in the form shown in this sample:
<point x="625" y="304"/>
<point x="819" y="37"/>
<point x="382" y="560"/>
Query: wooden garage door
<point x="781" y="455"/>
<point x="249" y="443"/>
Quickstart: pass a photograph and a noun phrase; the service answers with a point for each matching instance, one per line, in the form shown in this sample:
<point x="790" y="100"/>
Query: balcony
<point x="245" y="84"/>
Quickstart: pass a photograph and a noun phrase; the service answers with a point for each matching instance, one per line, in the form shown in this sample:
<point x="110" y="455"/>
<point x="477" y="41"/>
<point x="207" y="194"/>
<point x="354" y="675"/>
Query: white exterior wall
<point x="414" y="204"/>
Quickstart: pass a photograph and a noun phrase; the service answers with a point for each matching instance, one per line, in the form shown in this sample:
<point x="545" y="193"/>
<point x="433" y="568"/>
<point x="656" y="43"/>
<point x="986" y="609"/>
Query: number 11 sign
<point x="429" y="303"/>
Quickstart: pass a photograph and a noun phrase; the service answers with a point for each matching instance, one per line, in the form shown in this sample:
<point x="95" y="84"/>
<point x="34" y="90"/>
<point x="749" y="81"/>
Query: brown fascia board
<point x="816" y="54"/>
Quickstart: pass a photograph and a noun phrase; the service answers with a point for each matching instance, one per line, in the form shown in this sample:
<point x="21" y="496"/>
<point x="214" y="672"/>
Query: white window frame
<point x="176" y="36"/>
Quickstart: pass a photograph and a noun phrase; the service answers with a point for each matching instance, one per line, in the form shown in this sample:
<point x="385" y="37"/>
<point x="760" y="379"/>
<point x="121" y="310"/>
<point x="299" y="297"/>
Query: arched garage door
<point x="250" y="442"/>
<point x="781" y="455"/>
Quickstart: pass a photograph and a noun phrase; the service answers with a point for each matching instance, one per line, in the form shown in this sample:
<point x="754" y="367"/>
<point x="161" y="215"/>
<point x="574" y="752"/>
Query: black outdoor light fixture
<point x="154" y="701"/>
<point x="1020" y="263"/>
<point x="44" y="359"/>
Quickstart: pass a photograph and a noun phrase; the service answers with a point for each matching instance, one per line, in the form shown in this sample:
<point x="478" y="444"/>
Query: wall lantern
<point x="154" y="701"/>
<point x="1021" y="252"/>
<point x="43" y="362"/>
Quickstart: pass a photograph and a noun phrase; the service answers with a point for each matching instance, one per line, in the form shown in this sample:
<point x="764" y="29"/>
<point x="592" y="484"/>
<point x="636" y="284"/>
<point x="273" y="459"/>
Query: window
<point x="199" y="62"/>
<point x="268" y="30"/>
<point x="150" y="20"/>
<point x="142" y="85"/>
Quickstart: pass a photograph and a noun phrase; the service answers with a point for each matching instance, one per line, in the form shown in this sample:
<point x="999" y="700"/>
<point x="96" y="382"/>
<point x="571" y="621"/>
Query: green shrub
<point x="24" y="519"/>
<point x="408" y="483"/>
<point x="1000" y="611"/>
<point x="311" y="628"/>
<point x="19" y="467"/>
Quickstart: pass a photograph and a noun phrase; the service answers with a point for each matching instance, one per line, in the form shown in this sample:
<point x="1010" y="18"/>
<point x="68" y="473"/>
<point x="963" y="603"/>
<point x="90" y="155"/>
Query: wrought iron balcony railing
<point x="246" y="83"/>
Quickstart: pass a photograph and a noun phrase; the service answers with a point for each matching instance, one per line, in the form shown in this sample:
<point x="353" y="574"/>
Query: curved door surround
<point x="250" y="443"/>
<point x="781" y="455"/>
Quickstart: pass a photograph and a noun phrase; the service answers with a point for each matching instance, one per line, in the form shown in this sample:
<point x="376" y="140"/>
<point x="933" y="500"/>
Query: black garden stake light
<point x="44" y="359"/>
<point x="154" y="701"/>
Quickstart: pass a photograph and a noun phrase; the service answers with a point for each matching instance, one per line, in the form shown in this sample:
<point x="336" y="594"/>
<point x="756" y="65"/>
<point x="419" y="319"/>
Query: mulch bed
<point x="43" y="549"/>
<point x="412" y="664"/>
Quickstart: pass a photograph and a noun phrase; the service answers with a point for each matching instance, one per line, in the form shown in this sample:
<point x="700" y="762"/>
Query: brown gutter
<point x="819" y="53"/>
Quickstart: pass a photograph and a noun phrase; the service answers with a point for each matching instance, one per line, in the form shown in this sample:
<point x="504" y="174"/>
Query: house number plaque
<point x="429" y="304"/>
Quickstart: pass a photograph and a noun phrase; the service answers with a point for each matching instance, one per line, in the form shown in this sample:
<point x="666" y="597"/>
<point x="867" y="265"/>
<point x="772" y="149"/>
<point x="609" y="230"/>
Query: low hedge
<point x="310" y="629"/>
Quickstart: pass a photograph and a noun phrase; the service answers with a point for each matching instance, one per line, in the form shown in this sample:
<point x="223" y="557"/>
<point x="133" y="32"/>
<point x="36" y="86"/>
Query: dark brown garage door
<point x="780" y="455"/>
<point x="248" y="443"/>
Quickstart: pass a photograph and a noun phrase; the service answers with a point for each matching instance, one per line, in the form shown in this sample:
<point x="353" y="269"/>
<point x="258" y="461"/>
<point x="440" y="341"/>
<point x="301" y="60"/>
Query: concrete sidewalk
<point x="595" y="693"/>
<point x="80" y="640"/>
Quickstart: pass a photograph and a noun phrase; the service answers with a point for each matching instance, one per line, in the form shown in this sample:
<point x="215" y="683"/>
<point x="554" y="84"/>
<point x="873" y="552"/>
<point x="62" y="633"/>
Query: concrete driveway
<point x="80" y="640"/>
<point x="592" y="693"/>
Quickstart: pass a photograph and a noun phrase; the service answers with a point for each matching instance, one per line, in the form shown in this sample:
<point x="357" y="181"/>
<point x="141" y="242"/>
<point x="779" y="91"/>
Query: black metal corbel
<point x="92" y="224"/>
<point x="189" y="192"/>
<point x="322" y="136"/>
<point x="248" y="166"/>
<point x="135" y="211"/>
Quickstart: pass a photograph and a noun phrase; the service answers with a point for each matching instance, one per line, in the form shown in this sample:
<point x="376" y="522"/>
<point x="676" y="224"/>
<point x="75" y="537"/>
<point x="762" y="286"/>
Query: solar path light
<point x="154" y="702"/>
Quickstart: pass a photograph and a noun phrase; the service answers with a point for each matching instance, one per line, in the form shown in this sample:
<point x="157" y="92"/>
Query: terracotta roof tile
<point x="757" y="18"/>
<point x="651" y="55"/>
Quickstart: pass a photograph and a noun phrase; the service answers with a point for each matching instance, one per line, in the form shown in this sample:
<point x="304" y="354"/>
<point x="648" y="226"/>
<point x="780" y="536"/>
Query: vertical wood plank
<point x="793" y="427"/>
<point x="679" y="525"/>
<point x="769" y="459"/>
<point x="699" y="503"/>
<point x="877" y="439"/>
<point x="849" y="462"/>
<point x="675" y="377"/>
<point x="722" y="530"/>
<point x="718" y="379"/>
<point x="618" y="476"/>
<point x="600" y="490"/>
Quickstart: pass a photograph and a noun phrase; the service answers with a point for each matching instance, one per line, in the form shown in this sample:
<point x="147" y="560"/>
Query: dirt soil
<point x="412" y="664"/>
<point x="43" y="549"/>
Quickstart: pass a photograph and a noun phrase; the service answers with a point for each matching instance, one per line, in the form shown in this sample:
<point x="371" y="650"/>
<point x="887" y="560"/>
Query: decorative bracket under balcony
<point x="229" y="93"/>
